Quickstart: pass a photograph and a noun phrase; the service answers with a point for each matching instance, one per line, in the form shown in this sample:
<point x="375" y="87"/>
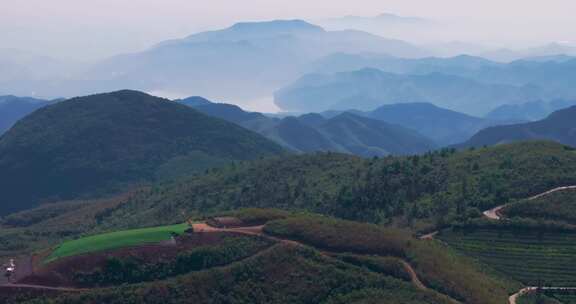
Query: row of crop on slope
<point x="535" y="255"/>
<point x="558" y="206"/>
<point x="437" y="266"/>
<point x="281" y="274"/>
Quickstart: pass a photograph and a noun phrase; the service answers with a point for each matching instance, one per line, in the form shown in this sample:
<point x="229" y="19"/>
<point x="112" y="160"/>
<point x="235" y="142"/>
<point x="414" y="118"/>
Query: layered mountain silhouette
<point x="98" y="144"/>
<point x="13" y="108"/>
<point x="369" y="88"/>
<point x="529" y="111"/>
<point x="345" y="132"/>
<point x="444" y="126"/>
<point x="560" y="126"/>
<point x="249" y="59"/>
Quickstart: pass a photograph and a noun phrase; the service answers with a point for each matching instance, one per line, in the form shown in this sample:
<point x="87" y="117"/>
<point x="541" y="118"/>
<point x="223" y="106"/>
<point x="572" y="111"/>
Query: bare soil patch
<point x="60" y="273"/>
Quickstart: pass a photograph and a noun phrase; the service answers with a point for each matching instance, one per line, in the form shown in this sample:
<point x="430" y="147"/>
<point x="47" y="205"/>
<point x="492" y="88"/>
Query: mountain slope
<point x="345" y="133"/>
<point x="560" y="126"/>
<point x="444" y="126"/>
<point x="529" y="111"/>
<point x="13" y="108"/>
<point x="369" y="137"/>
<point x="98" y="143"/>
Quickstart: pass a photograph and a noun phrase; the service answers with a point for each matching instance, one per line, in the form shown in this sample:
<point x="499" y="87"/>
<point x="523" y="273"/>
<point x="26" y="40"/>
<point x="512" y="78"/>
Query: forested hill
<point x="102" y="143"/>
<point x="560" y="126"/>
<point x="428" y="190"/>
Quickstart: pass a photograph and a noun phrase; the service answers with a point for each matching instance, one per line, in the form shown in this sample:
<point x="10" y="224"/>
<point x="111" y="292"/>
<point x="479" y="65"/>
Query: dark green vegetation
<point x="281" y="274"/>
<point x="559" y="126"/>
<point x="99" y="144"/>
<point x="256" y="217"/>
<point x="420" y="191"/>
<point x="132" y="270"/>
<point x="363" y="265"/>
<point x="436" y="265"/>
<point x="345" y="133"/>
<point x="535" y="256"/>
<point x="539" y="298"/>
<point x="559" y="206"/>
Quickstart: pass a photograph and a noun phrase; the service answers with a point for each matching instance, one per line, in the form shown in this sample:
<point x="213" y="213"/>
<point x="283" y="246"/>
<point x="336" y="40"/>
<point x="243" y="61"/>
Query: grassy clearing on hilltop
<point x="115" y="240"/>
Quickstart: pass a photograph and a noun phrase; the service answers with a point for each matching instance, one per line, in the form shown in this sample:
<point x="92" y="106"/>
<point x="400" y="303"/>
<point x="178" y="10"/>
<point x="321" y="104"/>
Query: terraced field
<point x="529" y="257"/>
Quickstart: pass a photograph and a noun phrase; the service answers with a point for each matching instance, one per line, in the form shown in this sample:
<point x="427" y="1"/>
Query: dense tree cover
<point x="281" y="274"/>
<point x="100" y="143"/>
<point x="387" y="265"/>
<point x="436" y="188"/>
<point x="131" y="270"/>
<point x="256" y="216"/>
<point x="558" y="206"/>
<point x="437" y="266"/>
<point x="341" y="236"/>
<point x="420" y="192"/>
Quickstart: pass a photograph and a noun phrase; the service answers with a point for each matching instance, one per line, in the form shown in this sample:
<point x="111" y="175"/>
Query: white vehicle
<point x="10" y="267"/>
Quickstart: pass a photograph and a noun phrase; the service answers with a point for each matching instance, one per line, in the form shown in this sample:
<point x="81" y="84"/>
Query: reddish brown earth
<point x="60" y="273"/>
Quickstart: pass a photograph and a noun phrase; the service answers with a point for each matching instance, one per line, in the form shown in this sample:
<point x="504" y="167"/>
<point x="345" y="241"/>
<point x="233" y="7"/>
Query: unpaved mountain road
<point x="513" y="298"/>
<point x="495" y="213"/>
<point x="259" y="231"/>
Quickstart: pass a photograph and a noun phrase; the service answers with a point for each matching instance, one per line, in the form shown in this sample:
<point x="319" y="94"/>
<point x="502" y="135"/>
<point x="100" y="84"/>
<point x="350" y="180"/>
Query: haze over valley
<point x="398" y="152"/>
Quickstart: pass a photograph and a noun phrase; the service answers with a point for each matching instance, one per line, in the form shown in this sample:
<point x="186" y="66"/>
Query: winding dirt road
<point x="496" y="214"/>
<point x="259" y="231"/>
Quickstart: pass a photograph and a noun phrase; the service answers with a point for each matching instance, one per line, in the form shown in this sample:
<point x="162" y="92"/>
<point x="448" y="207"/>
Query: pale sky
<point x="89" y="29"/>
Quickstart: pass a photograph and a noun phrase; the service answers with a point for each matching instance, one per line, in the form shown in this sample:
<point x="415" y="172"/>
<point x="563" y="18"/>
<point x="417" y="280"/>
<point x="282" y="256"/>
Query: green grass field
<point x="115" y="240"/>
<point x="549" y="258"/>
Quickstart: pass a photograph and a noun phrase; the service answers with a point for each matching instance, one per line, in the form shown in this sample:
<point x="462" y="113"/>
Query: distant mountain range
<point x="548" y="50"/>
<point x="549" y="76"/>
<point x="444" y="126"/>
<point x="560" y="126"/>
<point x="249" y="59"/>
<point x="14" y="108"/>
<point x="100" y="144"/>
<point x="369" y="88"/>
<point x="529" y="111"/>
<point x="345" y="132"/>
<point x="339" y="130"/>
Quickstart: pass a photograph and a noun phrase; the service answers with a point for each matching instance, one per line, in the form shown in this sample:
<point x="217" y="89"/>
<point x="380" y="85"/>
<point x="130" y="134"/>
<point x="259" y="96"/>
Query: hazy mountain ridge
<point x="559" y="126"/>
<point x="529" y="111"/>
<point x="345" y="132"/>
<point x="249" y="59"/>
<point x="369" y="88"/>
